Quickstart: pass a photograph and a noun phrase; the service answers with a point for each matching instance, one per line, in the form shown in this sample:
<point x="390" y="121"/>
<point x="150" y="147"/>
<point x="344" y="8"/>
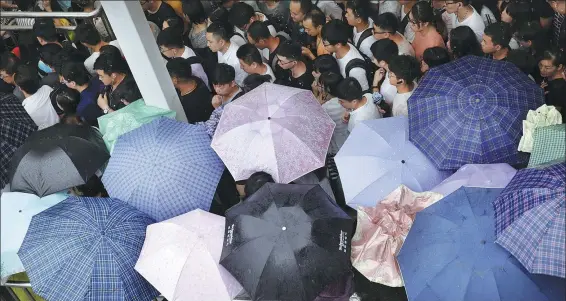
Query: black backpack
<point x="364" y="63"/>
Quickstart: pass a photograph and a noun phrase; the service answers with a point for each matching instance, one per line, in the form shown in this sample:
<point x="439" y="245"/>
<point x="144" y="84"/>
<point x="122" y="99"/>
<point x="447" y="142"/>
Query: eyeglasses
<point x="379" y="32"/>
<point x="280" y="62"/>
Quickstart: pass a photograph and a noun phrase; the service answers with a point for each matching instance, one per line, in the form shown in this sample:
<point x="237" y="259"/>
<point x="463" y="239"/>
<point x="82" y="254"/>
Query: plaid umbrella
<point x="15" y="127"/>
<point x="86" y="249"/>
<point x="471" y="111"/>
<point x="549" y="144"/>
<point x="530" y="218"/>
<point x="164" y="168"/>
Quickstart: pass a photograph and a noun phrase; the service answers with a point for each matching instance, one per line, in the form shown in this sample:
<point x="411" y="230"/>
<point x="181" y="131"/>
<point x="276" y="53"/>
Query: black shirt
<point x="555" y="94"/>
<point x="164" y="12"/>
<point x="197" y="104"/>
<point x="114" y="101"/>
<point x="302" y="82"/>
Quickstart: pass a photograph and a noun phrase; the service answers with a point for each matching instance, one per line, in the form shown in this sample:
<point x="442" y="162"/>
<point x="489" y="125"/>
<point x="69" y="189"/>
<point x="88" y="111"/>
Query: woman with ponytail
<point x="428" y="27"/>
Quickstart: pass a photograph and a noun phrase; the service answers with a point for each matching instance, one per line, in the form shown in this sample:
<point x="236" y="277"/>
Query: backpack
<point x="365" y="64"/>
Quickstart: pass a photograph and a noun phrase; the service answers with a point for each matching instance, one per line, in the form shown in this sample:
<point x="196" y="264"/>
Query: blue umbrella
<point x="471" y="111"/>
<point x="450" y="255"/>
<point x="86" y="249"/>
<point x="164" y="168"/>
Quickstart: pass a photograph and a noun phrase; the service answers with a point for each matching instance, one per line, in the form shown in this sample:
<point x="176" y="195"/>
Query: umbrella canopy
<point x="470" y="111"/>
<point x="287" y="242"/>
<point x="15" y="127"/>
<point x="128" y="118"/>
<point x="477" y="175"/>
<point x="17" y="209"/>
<point x="380" y="233"/>
<point x="378" y="157"/>
<point x="57" y="158"/>
<point x="549" y="145"/>
<point x="450" y="255"/>
<point x="280" y="130"/>
<point x="180" y="258"/>
<point x="530" y="219"/>
<point x="164" y="168"/>
<point x="90" y="245"/>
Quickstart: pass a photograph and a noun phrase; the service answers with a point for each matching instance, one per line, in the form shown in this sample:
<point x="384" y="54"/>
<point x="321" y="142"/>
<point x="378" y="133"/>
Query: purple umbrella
<point x="477" y="175"/>
<point x="280" y="130"/>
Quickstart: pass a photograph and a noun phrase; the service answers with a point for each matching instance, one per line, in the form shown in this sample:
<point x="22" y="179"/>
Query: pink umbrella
<point x="276" y="129"/>
<point x="381" y="231"/>
<point x="477" y="175"/>
<point x="180" y="258"/>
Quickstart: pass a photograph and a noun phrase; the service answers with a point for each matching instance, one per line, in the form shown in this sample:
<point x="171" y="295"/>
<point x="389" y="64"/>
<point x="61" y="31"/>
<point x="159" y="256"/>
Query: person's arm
<point x="365" y="47"/>
<point x="360" y="75"/>
<point x="103" y="104"/>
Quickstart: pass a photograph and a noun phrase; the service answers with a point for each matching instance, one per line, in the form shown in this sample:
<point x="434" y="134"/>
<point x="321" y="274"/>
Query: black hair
<point x="128" y="91"/>
<point x="523" y="59"/>
<point x="240" y="14"/>
<point x="436" y="56"/>
<point x="349" y="89"/>
<point x="256" y="181"/>
<point x="330" y="81"/>
<point x="424" y="13"/>
<point x="249" y="54"/>
<point x="223" y="74"/>
<point x="500" y="33"/>
<point x="326" y="63"/>
<point x="9" y="62"/>
<point x="175" y="22"/>
<point x="72" y="119"/>
<point x="388" y="22"/>
<point x="533" y="32"/>
<point x="306" y="5"/>
<point x="290" y="50"/>
<point x="259" y="30"/>
<point x="66" y="55"/>
<point x="520" y="11"/>
<point x="360" y="8"/>
<point x="384" y="50"/>
<point x="27" y="79"/>
<point x="179" y="68"/>
<point x="75" y="72"/>
<point x="335" y="32"/>
<point x="463" y="41"/>
<point x="110" y="50"/>
<point x="464" y="2"/>
<point x="555" y="55"/>
<point x="92" y="188"/>
<point x="87" y="33"/>
<point x="219" y="15"/>
<point x="220" y="30"/>
<point x="195" y="11"/>
<point x="48" y="52"/>
<point x="253" y="81"/>
<point x="45" y="29"/>
<point x="68" y="99"/>
<point x="491" y="5"/>
<point x="171" y="38"/>
<point x="111" y="61"/>
<point x="405" y="68"/>
<point x="317" y="17"/>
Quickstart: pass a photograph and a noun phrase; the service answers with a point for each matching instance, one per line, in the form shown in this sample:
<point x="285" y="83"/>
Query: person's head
<point x="66" y="55"/>
<point x="523" y="59"/>
<point x="403" y="70"/>
<point x="289" y="54"/>
<point x="72" y="119"/>
<point x="194" y="12"/>
<point x="313" y="22"/>
<point x="75" y="75"/>
<point x="179" y="70"/>
<point x="8" y="65"/>
<point x="258" y="34"/>
<point x="516" y="12"/>
<point x="92" y="188"/>
<point x="218" y="15"/>
<point x="127" y="92"/>
<point x="87" y="35"/>
<point x="241" y="15"/>
<point x="45" y="31"/>
<point x="253" y="81"/>
<point x="250" y="58"/>
<point x="325" y="63"/>
<point x="552" y="63"/>
<point x="349" y="93"/>
<point x="434" y="56"/>
<point x="67" y="100"/>
<point x="110" y="65"/>
<point x="223" y="79"/>
<point x="383" y="51"/>
<point x="256" y="181"/>
<point x="357" y="12"/>
<point x="421" y="16"/>
<point x="170" y="42"/>
<point x="452" y="6"/>
<point x="298" y="9"/>
<point x="559" y="6"/>
<point x="174" y="22"/>
<point x="335" y="35"/>
<point x="463" y="41"/>
<point x="385" y="25"/>
<point x="329" y="82"/>
<point x="48" y="52"/>
<point x="530" y="35"/>
<point x="149" y="4"/>
<point x="496" y="37"/>
<point x="218" y="36"/>
<point x="27" y="79"/>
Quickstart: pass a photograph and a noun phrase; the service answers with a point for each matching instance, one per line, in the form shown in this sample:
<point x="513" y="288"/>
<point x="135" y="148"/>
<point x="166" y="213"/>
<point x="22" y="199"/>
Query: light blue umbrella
<point x="16" y="211"/>
<point x="164" y="168"/>
<point x="378" y="157"/>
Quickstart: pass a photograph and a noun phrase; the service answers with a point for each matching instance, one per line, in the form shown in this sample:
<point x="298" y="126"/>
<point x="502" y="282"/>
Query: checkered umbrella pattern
<point x="471" y="111"/>
<point x="164" y="168"/>
<point x="86" y="249"/>
<point x="549" y="144"/>
<point x="530" y="219"/>
<point x="15" y="126"/>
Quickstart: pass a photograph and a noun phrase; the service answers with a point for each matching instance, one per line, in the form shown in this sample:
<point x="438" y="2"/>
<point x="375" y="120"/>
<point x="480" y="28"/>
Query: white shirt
<point x="40" y="109"/>
<point x="475" y="22"/>
<point x="388" y="90"/>
<point x="366" y="112"/>
<point x="406" y="48"/>
<point x="340" y="134"/>
<point x="231" y="59"/>
<point x="196" y="69"/>
<point x="330" y="9"/>
<point x="269" y="72"/>
<point x="365" y="46"/>
<point x="400" y="107"/>
<point x="407" y="31"/>
<point x="358" y="73"/>
<point x="89" y="62"/>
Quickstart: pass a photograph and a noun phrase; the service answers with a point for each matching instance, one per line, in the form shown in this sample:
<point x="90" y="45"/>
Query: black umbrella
<point x="57" y="158"/>
<point x="287" y="242"/>
<point x="15" y="127"/>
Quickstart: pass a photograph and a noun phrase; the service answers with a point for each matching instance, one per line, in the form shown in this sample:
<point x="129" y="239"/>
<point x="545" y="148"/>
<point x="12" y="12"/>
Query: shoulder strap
<point x="354" y="63"/>
<point x="365" y="34"/>
<point x="194" y="60"/>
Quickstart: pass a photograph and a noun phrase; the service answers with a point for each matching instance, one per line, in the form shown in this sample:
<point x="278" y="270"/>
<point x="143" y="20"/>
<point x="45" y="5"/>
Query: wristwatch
<point x="105" y="110"/>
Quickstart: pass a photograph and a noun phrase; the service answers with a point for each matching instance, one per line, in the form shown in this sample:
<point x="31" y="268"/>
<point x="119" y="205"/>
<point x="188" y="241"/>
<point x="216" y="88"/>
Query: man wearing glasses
<point x="385" y="26"/>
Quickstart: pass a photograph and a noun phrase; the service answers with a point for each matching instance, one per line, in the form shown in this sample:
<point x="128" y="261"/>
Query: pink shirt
<point x="423" y="42"/>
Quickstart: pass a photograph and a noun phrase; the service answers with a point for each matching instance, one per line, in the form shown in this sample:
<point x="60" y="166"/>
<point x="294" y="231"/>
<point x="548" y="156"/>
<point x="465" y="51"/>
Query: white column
<point x="140" y="49"/>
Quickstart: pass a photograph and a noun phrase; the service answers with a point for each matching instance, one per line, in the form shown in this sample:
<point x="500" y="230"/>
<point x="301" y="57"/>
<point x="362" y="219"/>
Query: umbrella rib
<point x="263" y="270"/>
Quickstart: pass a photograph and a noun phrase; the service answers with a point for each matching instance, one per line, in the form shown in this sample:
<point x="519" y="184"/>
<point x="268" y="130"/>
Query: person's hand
<point x="47" y="5"/>
<point x="346" y="117"/>
<point x="378" y="76"/>
<point x="216" y="101"/>
<point x="102" y="101"/>
<point x="308" y="53"/>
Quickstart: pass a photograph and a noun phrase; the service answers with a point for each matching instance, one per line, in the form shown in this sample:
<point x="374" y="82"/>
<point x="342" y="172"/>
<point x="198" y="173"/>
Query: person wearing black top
<point x="298" y="74"/>
<point x="260" y="37"/>
<point x="495" y="40"/>
<point x="112" y="71"/>
<point x="298" y="10"/>
<point x="552" y="66"/>
<point x="157" y="11"/>
<point x="193" y="93"/>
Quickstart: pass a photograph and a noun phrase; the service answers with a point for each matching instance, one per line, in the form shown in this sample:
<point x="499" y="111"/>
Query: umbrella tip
<point x="403" y="161"/>
<point x="268" y="118"/>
